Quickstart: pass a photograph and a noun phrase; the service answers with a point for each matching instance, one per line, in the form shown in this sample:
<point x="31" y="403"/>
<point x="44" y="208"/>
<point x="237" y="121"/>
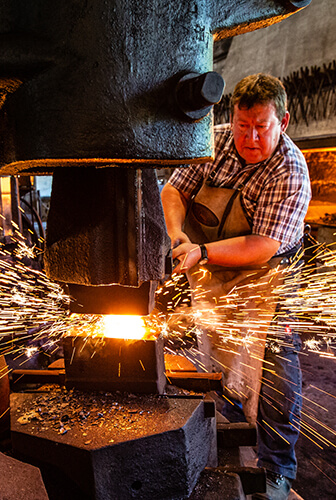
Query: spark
<point x="315" y="433"/>
<point x="4" y="413"/>
<point x="327" y="393"/>
<point x="307" y="436"/>
<point x="30" y="351"/>
<point x="276" y="432"/>
<point x="320" y="470"/>
<point x="142" y="365"/>
<point x="232" y="326"/>
<point x="34" y="307"/>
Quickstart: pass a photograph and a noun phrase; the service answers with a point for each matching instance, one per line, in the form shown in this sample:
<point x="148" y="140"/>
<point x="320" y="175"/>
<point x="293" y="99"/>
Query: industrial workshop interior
<point x="104" y="389"/>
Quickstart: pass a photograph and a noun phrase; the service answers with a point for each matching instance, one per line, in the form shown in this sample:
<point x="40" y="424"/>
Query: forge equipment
<point x="99" y="93"/>
<point x="107" y="364"/>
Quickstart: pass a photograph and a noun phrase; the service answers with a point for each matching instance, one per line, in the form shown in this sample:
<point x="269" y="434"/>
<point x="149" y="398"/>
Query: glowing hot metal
<point x="114" y="364"/>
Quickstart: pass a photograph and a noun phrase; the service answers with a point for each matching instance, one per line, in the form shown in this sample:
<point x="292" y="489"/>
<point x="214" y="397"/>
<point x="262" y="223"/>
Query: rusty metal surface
<point x="178" y="363"/>
<point x="82" y="375"/>
<point x="116" y="446"/>
<point x="108" y="364"/>
<point x="20" y="377"/>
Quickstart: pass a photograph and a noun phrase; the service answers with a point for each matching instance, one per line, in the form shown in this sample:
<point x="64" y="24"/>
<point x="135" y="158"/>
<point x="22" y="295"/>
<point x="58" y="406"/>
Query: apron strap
<point x="227" y="210"/>
<point x="232" y="199"/>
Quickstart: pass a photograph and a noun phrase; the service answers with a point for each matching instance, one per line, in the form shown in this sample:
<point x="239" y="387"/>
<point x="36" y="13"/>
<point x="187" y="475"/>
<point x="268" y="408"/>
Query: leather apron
<point x="236" y="349"/>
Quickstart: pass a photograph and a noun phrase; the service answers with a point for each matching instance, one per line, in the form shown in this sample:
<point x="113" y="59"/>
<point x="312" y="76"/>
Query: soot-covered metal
<point x="103" y="83"/>
<point x="117" y="445"/>
<point x="99" y="93"/>
<point x="108" y="364"/>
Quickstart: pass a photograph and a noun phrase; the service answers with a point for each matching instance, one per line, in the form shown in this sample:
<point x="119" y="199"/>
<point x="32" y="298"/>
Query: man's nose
<point x="252" y="134"/>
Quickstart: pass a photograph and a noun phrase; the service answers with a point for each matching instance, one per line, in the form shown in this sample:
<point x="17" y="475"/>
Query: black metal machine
<point x="100" y="93"/>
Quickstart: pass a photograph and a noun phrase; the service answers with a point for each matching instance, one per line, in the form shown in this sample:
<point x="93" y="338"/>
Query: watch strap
<point x="204" y="255"/>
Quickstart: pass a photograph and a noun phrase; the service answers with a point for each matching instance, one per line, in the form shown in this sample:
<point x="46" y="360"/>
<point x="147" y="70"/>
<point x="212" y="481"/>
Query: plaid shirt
<point x="275" y="193"/>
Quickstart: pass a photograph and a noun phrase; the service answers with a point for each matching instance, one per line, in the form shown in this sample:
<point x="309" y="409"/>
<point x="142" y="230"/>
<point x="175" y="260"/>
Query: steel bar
<point x="38" y="377"/>
<point x="198" y="382"/>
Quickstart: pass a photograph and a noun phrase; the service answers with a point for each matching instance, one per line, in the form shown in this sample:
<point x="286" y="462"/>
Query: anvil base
<point x="114" y="446"/>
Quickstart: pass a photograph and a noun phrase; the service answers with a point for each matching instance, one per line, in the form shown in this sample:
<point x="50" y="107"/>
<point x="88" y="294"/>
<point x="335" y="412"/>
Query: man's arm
<point x="175" y="205"/>
<point x="242" y="251"/>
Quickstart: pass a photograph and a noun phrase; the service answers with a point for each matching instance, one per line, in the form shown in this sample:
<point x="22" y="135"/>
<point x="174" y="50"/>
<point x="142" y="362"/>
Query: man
<point x="255" y="157"/>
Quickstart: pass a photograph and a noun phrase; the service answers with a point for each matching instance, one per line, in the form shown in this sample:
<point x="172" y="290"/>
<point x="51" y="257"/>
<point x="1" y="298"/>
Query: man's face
<point x="256" y="131"/>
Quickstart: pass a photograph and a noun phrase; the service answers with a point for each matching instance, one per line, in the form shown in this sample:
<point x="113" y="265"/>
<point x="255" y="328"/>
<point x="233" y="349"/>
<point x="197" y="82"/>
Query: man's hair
<point x="260" y="89"/>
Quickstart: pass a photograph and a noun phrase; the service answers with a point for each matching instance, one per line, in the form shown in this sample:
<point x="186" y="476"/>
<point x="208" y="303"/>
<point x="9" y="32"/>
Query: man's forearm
<point x="174" y="208"/>
<point x="242" y="251"/>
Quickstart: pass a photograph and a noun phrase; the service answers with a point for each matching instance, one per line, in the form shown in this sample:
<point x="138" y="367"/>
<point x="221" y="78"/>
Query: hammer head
<point x="107" y="238"/>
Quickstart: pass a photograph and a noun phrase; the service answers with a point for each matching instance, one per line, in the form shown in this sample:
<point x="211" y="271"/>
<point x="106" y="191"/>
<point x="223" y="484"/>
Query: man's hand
<point x="178" y="238"/>
<point x="241" y="251"/>
<point x="188" y="254"/>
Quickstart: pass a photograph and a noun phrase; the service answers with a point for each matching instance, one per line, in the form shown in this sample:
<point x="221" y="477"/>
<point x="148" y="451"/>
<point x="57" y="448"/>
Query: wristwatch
<point x="204" y="255"/>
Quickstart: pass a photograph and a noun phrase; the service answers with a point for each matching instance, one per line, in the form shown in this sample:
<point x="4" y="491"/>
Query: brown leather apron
<point x="236" y="348"/>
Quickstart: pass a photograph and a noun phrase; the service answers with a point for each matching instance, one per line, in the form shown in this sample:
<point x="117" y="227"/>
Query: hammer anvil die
<point x="98" y="92"/>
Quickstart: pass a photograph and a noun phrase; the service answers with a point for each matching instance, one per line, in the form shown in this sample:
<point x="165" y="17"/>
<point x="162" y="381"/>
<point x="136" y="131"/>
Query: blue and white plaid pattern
<point x="275" y="192"/>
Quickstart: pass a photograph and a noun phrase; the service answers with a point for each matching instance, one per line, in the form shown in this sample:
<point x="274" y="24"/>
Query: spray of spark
<point x="309" y="310"/>
<point x="306" y="290"/>
<point x="33" y="306"/>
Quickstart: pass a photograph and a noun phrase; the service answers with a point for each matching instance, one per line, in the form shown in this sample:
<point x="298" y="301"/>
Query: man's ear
<point x="284" y="122"/>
